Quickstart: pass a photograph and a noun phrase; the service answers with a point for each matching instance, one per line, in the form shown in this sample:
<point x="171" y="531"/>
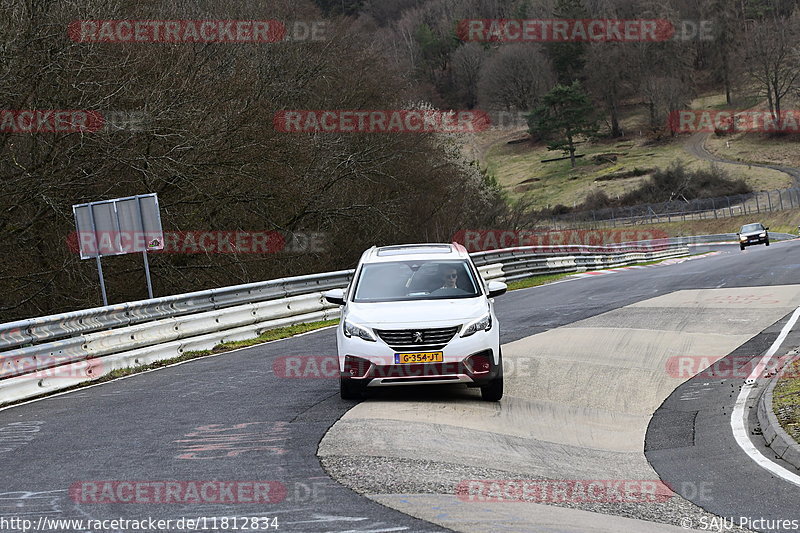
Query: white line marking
<point x="739" y="415"/>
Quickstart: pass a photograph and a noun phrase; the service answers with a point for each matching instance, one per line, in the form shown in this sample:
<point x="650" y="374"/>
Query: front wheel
<point x="493" y="391"/>
<point x="741" y="246"/>
<point x="767" y="242"/>
<point x="348" y="390"/>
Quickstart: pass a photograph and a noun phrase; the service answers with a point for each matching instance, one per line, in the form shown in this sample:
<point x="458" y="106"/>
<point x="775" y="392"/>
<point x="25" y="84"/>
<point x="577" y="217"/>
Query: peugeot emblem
<point x="417" y="336"/>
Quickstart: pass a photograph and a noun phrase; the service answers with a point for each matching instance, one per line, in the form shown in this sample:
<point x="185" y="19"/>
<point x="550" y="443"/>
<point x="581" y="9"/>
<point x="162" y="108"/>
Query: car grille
<point x="409" y="339"/>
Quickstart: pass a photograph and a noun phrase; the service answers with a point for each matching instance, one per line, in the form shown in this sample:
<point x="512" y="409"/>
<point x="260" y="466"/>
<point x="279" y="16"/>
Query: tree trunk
<point x="616" y="131"/>
<point x="727" y="81"/>
<point x="651" y="107"/>
<point x="571" y="151"/>
<point x="769" y="99"/>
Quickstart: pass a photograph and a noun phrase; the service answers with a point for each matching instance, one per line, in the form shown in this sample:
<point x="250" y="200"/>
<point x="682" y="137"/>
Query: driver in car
<point x="449" y="277"/>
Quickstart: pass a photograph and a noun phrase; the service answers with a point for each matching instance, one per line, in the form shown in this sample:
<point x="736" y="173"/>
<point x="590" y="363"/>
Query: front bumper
<point x="382" y="370"/>
<point x="753" y="240"/>
<point x="428" y="373"/>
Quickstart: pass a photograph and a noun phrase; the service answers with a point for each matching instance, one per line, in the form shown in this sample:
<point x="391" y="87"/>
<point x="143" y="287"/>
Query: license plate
<point x="418" y="357"/>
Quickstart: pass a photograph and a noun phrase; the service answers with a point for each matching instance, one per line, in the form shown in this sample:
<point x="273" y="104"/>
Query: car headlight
<point x="763" y="234"/>
<point x="354" y="330"/>
<point x="742" y="237"/>
<point x="482" y="324"/>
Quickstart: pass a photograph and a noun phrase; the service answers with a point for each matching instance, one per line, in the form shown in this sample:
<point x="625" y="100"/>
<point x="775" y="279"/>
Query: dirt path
<point x="480" y="149"/>
<point x="696" y="146"/>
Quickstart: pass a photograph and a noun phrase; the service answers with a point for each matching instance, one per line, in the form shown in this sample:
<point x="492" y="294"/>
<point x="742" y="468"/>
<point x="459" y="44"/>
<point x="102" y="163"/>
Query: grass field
<point x="757" y="147"/>
<point x="518" y="167"/>
<point x="786" y="401"/>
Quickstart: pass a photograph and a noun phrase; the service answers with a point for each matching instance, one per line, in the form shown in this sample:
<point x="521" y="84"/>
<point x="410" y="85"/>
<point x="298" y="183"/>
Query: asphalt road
<point x="230" y="418"/>
<point x="690" y="444"/>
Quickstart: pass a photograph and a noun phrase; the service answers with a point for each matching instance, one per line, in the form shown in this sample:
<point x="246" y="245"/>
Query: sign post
<point x="120" y="226"/>
<point x="102" y="281"/>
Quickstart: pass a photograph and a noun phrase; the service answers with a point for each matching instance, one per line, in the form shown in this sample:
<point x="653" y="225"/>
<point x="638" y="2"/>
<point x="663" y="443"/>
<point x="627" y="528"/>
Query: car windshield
<point x="751" y="227"/>
<point x="415" y="280"/>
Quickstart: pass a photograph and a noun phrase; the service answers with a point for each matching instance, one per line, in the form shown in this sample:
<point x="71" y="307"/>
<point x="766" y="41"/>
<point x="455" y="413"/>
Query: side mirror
<point x="334" y="296"/>
<point x="766" y="228"/>
<point x="497" y="288"/>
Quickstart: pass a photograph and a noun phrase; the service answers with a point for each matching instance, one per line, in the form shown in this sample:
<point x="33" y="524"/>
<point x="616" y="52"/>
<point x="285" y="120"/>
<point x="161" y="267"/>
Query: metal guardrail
<point x="102" y="339"/>
<point x="35" y="330"/>
<point x="525" y="264"/>
<point x="494" y="256"/>
<point x="53" y="327"/>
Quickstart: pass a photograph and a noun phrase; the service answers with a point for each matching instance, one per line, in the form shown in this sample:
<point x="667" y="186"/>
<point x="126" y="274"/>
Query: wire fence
<point x="682" y="210"/>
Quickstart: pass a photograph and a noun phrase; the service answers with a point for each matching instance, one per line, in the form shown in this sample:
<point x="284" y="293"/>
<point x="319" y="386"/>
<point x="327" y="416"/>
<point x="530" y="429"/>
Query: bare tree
<point x="610" y="77"/>
<point x="206" y="145"/>
<point x="773" y="58"/>
<point x="515" y="77"/>
<point x="467" y="62"/>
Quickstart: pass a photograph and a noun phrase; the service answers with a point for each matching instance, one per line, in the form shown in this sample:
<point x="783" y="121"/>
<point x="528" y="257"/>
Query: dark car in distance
<point x="751" y="234"/>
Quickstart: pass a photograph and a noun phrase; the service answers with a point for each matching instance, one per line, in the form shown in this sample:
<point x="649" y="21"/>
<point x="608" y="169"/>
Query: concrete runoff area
<point x="514" y="517"/>
<point x="577" y="404"/>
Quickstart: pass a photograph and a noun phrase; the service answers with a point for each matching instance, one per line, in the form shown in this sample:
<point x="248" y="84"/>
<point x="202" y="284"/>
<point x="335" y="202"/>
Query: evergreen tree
<point x="568" y="58"/>
<point x="567" y="113"/>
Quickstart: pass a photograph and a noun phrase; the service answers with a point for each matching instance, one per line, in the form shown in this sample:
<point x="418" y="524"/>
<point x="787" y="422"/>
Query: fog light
<point x="356" y="366"/>
<point x="479" y="364"/>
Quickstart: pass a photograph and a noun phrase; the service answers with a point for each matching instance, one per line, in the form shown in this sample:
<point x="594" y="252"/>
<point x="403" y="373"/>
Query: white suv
<point x="418" y="314"/>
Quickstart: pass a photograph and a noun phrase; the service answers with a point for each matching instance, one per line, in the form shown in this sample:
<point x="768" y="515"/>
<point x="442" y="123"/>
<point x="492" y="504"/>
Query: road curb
<point x="780" y="442"/>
